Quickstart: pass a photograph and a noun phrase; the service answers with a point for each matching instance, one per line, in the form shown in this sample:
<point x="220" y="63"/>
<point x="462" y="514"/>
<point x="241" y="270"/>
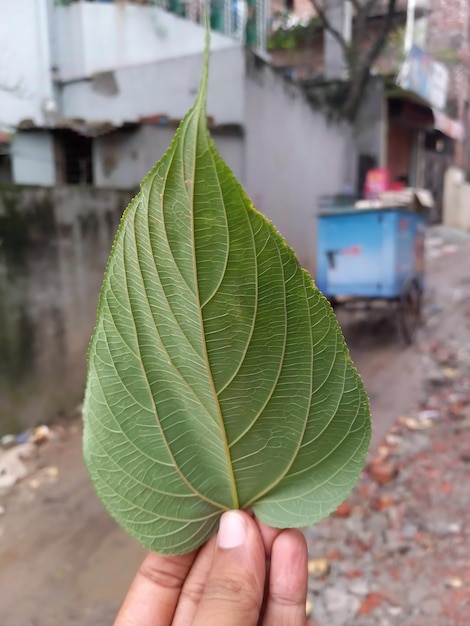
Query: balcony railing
<point x="243" y="20"/>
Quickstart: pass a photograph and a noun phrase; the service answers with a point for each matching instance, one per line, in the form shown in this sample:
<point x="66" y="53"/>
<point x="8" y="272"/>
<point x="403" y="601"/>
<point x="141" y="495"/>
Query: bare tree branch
<point x="381" y="38"/>
<point x="359" y="62"/>
<point x="361" y="18"/>
<point x="327" y="25"/>
<point x="362" y="75"/>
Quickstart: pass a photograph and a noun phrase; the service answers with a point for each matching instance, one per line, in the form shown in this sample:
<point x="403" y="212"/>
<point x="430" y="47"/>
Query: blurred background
<point x="347" y="123"/>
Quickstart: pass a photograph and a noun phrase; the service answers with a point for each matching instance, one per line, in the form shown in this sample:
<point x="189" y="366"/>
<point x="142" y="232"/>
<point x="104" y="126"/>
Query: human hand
<point x="228" y="582"/>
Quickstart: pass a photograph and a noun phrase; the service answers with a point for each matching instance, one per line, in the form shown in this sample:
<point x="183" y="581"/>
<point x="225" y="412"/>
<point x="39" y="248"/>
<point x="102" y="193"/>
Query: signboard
<point x="425" y="77"/>
<point x="377" y="181"/>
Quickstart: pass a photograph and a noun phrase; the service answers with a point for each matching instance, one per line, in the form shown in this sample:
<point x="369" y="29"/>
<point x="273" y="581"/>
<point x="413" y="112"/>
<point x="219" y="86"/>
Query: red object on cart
<point x="377" y="181"/>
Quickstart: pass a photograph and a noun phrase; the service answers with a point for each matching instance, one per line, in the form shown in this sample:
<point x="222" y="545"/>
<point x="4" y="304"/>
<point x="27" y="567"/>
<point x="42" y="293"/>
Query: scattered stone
<point x="394" y="542"/>
<point x="377" y="523"/>
<point x="393" y="439"/>
<point x="431" y="606"/>
<point x="355" y="524"/>
<point x="409" y="531"/>
<point x="417" y="424"/>
<point x="359" y="587"/>
<point x="370" y="603"/>
<point x="454" y="583"/>
<point x="435" y="378"/>
<point x="382" y="503"/>
<point x="342" y="606"/>
<point x="383" y="472"/>
<point x="308" y="608"/>
<point x="450" y="372"/>
<point x="344" y="510"/>
<point x="464" y="425"/>
<point x="428" y="414"/>
<point x="446" y="488"/>
<point x="416" y="595"/>
<point x="395" y="611"/>
<point x="318" y="567"/>
<point x="442" y="528"/>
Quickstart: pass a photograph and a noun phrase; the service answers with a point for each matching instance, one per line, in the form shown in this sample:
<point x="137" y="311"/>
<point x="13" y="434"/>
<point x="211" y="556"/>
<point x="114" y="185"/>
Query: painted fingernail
<point x="232" y="530"/>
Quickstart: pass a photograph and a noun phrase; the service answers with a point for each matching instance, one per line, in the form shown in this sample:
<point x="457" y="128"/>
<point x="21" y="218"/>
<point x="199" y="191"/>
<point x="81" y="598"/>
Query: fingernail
<point x="232" y="530"/>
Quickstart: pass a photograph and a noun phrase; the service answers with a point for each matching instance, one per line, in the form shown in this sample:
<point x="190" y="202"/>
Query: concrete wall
<point x="25" y="81"/>
<point x="33" y="160"/>
<point x="122" y="159"/>
<point x="456" y="201"/>
<point x="94" y="37"/>
<point x="163" y="88"/>
<point x="54" y="244"/>
<point x="293" y="156"/>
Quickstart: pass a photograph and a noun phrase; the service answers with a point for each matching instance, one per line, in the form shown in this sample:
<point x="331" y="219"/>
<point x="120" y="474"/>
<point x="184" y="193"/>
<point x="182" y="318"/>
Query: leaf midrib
<point x="200" y="111"/>
<point x="162" y="343"/>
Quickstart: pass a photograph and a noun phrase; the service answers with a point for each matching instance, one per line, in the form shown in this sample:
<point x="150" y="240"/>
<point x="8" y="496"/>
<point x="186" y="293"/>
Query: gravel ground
<point x="397" y="552"/>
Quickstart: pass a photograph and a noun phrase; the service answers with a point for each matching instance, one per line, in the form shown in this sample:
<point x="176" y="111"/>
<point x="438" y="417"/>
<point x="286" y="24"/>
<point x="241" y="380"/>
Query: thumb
<point x="233" y="593"/>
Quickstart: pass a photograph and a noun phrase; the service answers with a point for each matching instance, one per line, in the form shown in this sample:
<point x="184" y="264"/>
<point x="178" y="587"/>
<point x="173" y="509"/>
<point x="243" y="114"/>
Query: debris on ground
<point x="17" y="454"/>
<point x="37" y="435"/>
<point x="443" y="240"/>
<point x="12" y="466"/>
<point x="398" y="553"/>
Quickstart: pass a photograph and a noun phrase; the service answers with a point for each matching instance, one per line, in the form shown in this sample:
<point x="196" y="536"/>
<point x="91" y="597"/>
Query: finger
<point x="269" y="535"/>
<point x="287" y="594"/>
<point x="194" y="585"/>
<point x="234" y="589"/>
<point x="193" y="588"/>
<point x="153" y="595"/>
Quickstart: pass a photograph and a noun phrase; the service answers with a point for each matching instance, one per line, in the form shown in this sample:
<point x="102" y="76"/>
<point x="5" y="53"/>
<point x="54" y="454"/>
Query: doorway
<point x="74" y="158"/>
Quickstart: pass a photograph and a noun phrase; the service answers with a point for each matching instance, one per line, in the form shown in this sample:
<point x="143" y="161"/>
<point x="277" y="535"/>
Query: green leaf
<point x="218" y="377"/>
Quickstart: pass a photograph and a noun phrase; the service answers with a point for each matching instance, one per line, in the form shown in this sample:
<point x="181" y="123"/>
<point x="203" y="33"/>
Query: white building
<point x="94" y="90"/>
<point x="94" y="66"/>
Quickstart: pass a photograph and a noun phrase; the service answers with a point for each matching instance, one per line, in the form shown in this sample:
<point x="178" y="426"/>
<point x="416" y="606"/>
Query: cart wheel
<point x="409" y="312"/>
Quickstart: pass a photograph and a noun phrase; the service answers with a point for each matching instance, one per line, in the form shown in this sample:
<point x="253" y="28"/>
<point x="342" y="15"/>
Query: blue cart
<point x="374" y="256"/>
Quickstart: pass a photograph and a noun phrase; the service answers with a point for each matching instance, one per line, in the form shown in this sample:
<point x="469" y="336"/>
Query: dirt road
<point x="64" y="562"/>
